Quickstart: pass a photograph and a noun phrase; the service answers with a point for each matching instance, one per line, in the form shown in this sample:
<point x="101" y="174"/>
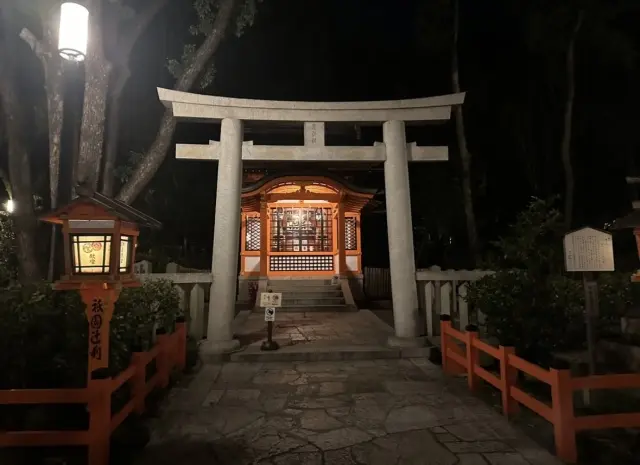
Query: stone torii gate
<point x="230" y="152"/>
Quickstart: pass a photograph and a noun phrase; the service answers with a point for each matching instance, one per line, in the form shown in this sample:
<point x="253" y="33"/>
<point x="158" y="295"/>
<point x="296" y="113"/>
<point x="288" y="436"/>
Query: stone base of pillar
<point x="405" y="342"/>
<point x="215" y="348"/>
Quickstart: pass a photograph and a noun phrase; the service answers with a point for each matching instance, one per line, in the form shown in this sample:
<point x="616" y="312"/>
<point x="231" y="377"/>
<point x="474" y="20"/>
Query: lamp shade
<point x="74" y="31"/>
<point x="92" y="251"/>
<point x="100" y="238"/>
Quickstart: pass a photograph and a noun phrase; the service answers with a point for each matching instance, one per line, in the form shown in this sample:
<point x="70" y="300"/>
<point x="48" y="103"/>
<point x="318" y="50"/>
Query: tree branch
<point x="4" y="177"/>
<point x="36" y="45"/>
<point x="157" y="152"/>
<point x="208" y="48"/>
<point x="142" y="20"/>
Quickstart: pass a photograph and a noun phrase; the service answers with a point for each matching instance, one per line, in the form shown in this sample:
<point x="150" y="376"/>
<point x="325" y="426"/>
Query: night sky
<point x="369" y="50"/>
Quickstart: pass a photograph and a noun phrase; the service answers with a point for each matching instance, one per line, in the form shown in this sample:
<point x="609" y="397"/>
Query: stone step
<point x="311" y="294"/>
<point x="312" y="302"/>
<point x="307" y="289"/>
<point x="327" y="353"/>
<point x="293" y="284"/>
<point x="308" y="308"/>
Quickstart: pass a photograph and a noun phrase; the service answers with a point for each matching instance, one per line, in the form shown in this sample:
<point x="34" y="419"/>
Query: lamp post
<point x="100" y="236"/>
<point x="73" y="34"/>
<point x="10" y="206"/>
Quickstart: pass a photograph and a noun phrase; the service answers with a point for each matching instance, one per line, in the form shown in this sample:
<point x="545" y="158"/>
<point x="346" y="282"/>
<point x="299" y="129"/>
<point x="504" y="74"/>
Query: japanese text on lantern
<point x="96" y="322"/>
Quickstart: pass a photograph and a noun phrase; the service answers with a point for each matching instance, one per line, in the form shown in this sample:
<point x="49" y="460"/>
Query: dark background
<point x="341" y="50"/>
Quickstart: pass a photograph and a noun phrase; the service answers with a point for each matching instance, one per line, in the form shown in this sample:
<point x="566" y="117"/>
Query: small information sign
<point x="588" y="249"/>
<point x="269" y="314"/>
<point x="271" y="299"/>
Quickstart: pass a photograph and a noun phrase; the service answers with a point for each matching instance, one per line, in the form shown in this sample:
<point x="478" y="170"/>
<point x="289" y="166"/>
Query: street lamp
<point x="74" y="31"/>
<point x="100" y="236"/>
<point x="10" y="206"/>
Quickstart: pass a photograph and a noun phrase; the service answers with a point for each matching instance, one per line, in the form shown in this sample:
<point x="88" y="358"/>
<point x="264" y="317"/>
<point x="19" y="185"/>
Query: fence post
<point x="472" y="356"/>
<point x="181" y="334"/>
<point x="563" y="415"/>
<point x="100" y="389"/>
<point x="163" y="361"/>
<point x="445" y="323"/>
<point x="139" y="381"/>
<point x="508" y="378"/>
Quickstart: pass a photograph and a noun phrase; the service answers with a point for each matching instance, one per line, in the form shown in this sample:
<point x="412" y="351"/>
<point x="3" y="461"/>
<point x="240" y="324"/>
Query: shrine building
<point x="301" y="226"/>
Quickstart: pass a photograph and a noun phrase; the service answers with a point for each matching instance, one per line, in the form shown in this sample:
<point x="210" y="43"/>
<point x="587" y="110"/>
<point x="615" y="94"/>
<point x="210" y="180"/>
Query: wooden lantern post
<point x="100" y="239"/>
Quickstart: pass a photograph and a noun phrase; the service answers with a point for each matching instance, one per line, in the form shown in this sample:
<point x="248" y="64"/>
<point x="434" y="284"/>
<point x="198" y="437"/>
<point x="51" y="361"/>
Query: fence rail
<point x="193" y="288"/>
<point x="560" y="412"/>
<point x="169" y="354"/>
<point x="444" y="292"/>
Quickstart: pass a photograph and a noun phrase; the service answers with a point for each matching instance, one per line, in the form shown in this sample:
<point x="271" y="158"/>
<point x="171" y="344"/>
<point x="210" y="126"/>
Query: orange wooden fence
<point x="560" y="412"/>
<point x="169" y="353"/>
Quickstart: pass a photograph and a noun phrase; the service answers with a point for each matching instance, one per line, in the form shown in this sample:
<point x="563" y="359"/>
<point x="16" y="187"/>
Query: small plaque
<point x="314" y="134"/>
<point x="271" y="299"/>
<point x="270" y="314"/>
<point x="588" y="249"/>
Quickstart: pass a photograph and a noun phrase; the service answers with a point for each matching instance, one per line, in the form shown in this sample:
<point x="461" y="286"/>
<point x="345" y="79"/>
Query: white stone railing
<point x="193" y="288"/>
<point x="444" y="292"/>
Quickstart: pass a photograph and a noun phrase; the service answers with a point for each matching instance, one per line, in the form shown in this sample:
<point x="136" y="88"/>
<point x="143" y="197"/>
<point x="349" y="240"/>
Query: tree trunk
<point x="24" y="220"/>
<point x="97" y="70"/>
<point x="154" y="157"/>
<point x="119" y="49"/>
<point x="465" y="156"/>
<point x="55" y="104"/>
<point x="569" y="181"/>
<point x="119" y="79"/>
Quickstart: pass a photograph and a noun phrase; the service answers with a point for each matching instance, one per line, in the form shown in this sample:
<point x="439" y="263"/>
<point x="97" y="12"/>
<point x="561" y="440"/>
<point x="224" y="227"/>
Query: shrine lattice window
<point x="252" y="237"/>
<point x="350" y="235"/>
<point x="301" y="263"/>
<point x="301" y="229"/>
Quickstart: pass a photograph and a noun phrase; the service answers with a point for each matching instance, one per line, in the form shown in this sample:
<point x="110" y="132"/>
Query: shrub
<point x="539" y="316"/>
<point x="530" y="303"/>
<point x="44" y="333"/>
<point x="8" y="263"/>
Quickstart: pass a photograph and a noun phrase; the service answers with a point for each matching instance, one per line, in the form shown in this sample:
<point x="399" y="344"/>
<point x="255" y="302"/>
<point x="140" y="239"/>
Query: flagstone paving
<point x="331" y="328"/>
<point x="373" y="412"/>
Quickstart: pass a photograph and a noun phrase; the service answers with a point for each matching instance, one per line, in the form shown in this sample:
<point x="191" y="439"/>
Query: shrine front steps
<point x="321" y="308"/>
<point x="309" y="295"/>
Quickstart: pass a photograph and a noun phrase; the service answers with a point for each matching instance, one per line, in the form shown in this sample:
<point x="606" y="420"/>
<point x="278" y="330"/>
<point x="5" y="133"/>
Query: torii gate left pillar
<point x="226" y="237"/>
<point x="230" y="151"/>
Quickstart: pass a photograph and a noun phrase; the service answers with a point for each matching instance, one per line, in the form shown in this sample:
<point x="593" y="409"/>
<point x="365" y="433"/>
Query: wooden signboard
<point x="271" y="299"/>
<point x="588" y="249"/>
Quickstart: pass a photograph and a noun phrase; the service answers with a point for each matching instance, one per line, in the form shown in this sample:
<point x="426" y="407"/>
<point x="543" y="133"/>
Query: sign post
<point x="270" y="300"/>
<point x="588" y="251"/>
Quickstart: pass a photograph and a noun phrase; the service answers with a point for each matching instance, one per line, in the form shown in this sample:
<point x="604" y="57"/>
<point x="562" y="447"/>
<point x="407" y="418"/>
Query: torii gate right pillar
<point x="400" y="231"/>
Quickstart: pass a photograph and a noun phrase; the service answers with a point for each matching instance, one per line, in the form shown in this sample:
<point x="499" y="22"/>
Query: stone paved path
<point x="378" y="412"/>
<point x="296" y="328"/>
